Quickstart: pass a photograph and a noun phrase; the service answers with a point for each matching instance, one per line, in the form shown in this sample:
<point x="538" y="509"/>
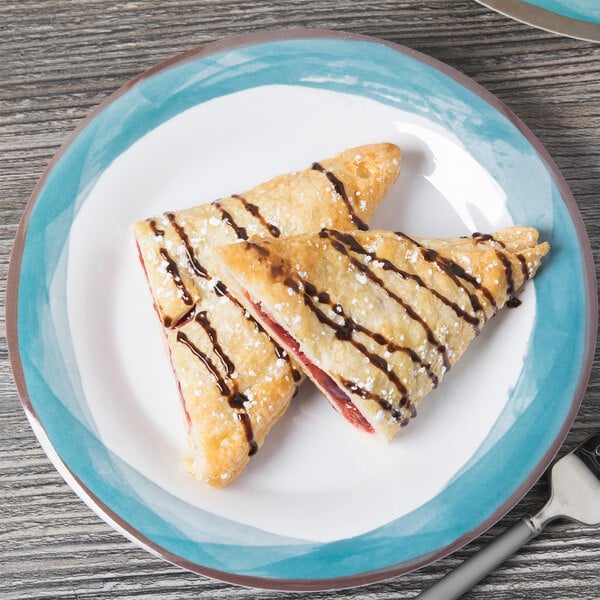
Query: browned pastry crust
<point x="377" y="317"/>
<point x="235" y="382"/>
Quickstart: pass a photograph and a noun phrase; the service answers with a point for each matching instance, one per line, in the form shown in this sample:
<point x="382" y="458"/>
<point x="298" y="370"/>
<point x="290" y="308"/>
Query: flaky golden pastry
<point x="376" y="318"/>
<point x="235" y="382"/>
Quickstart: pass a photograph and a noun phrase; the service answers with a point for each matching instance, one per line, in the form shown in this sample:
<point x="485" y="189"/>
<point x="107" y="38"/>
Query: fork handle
<point x="455" y="583"/>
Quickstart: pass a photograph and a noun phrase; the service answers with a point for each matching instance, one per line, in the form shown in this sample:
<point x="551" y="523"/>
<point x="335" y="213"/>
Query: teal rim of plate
<point x="583" y="10"/>
<point x="541" y="405"/>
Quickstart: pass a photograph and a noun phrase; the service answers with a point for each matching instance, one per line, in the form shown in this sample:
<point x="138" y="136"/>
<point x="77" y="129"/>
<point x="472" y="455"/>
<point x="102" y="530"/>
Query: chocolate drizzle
<point x="202" y="319"/>
<point x="155" y="229"/>
<point x="456" y="273"/>
<point x="340" y="190"/>
<point x="486" y="237"/>
<point x="524" y="268"/>
<point x="387" y="265"/>
<point x="351" y="325"/>
<point x="219" y="289"/>
<point x="227" y="218"/>
<point x="255" y="212"/>
<point x="235" y="399"/>
<point x="192" y="260"/>
<point x="210" y="366"/>
<point x="510" y="284"/>
<point x="512" y="301"/>
<point x="365" y="270"/>
<point x="281" y="353"/>
<point x="396" y="414"/>
<point x="344" y="331"/>
<point x="262" y="251"/>
<point x="506" y="263"/>
<point x="173" y="271"/>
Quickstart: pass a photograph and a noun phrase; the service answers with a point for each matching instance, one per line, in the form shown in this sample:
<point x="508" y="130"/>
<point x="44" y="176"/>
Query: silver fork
<point x="575" y="485"/>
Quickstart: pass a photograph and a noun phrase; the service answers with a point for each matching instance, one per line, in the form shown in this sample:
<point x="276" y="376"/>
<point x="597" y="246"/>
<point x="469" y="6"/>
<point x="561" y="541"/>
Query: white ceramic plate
<point x="318" y="507"/>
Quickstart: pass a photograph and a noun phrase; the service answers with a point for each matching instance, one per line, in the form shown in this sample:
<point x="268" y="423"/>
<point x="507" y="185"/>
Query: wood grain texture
<point x="60" y="59"/>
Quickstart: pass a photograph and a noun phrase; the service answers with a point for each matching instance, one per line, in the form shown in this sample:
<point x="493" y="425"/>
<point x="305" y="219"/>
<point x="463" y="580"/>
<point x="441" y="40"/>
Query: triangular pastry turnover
<point x="235" y="382"/>
<point x="376" y="318"/>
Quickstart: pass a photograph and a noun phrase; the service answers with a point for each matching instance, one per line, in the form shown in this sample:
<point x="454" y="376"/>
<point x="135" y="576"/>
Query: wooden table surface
<point x="59" y="59"/>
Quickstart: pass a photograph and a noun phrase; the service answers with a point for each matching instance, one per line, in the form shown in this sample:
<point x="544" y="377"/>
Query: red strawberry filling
<point x="330" y="388"/>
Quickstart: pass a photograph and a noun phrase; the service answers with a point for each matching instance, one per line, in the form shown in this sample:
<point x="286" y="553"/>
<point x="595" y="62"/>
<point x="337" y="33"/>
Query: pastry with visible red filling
<point x="376" y="318"/>
<point x="235" y="381"/>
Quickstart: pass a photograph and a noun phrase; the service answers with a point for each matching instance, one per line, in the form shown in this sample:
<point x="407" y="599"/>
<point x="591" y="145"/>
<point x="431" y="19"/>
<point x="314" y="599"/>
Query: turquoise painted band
<point x="584" y="10"/>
